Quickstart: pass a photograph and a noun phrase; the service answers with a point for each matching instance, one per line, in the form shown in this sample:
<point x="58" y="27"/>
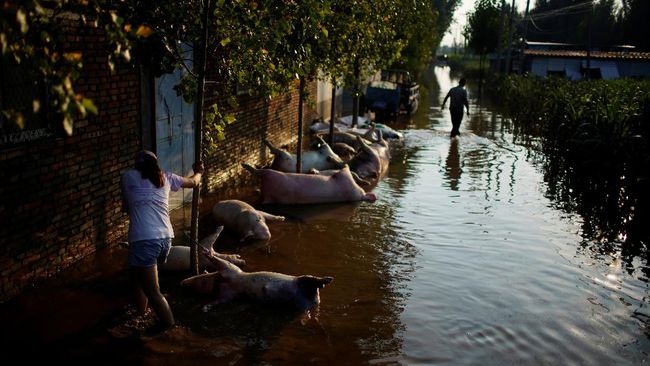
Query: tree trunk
<point x="332" y="115"/>
<point x="299" y="147"/>
<point x="355" y="95"/>
<point x="198" y="134"/>
<point x="480" y="76"/>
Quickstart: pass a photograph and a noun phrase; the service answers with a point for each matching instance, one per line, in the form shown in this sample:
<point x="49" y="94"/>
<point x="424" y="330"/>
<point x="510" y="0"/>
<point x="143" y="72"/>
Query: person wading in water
<point x="145" y="197"/>
<point x="458" y="96"/>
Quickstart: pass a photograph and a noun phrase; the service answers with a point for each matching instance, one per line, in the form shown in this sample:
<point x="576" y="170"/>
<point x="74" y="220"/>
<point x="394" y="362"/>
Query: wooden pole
<point x="355" y="96"/>
<point x="332" y="115"/>
<point x="299" y="147"/>
<point x="499" y="43"/>
<point x="522" y="58"/>
<point x="589" y="21"/>
<point x="198" y="133"/>
<point x="509" y="53"/>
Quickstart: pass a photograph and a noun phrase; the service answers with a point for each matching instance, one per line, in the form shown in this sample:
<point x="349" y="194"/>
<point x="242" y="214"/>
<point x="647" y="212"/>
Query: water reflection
<point x="452" y="165"/>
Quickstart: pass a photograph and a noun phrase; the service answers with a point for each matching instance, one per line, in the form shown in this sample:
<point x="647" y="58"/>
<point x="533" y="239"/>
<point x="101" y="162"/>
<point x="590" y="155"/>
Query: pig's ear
<point x="312" y="282"/>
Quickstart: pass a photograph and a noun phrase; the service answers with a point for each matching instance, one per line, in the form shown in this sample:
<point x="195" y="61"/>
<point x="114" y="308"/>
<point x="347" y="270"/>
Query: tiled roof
<point x="594" y="54"/>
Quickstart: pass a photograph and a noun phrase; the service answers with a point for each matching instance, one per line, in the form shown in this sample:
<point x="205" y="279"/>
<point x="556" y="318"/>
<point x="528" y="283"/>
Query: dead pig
<point x="178" y="258"/>
<point x="294" y="188"/>
<point x="243" y="218"/>
<point x="321" y="159"/>
<point x="230" y="283"/>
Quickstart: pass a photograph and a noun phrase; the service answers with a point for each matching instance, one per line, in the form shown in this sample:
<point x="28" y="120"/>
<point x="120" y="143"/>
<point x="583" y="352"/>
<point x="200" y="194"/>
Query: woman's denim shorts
<point x="147" y="253"/>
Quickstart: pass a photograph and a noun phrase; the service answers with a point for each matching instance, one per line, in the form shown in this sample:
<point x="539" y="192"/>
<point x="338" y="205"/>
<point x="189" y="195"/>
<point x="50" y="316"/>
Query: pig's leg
<point x="232" y="258"/>
<point x="208" y="241"/>
<point x="269" y="217"/>
<point x="273" y="149"/>
<point x="220" y="263"/>
<point x="251" y="169"/>
<point x="358" y="180"/>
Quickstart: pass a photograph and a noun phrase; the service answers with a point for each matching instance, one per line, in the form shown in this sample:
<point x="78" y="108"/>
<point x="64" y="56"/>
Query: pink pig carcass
<point x="230" y="283"/>
<point x="295" y="188"/>
<point x="241" y="217"/>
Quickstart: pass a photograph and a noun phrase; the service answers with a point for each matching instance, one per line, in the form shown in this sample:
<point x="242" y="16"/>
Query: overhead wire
<point x="567" y="10"/>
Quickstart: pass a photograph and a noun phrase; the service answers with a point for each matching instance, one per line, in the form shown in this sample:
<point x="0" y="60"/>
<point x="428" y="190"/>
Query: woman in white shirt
<point x="145" y="197"/>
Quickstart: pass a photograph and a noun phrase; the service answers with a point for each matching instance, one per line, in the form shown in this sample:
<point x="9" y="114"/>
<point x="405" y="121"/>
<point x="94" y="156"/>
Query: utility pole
<point x="523" y="41"/>
<point x="509" y="53"/>
<point x="503" y="10"/>
<point x="332" y="113"/>
<point x="589" y="21"/>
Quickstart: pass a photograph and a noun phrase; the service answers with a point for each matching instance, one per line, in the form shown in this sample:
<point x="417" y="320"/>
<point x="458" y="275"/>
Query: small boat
<point x="391" y="92"/>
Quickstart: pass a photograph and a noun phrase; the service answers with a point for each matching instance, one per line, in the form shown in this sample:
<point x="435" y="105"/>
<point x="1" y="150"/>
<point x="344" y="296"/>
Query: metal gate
<point x="174" y="131"/>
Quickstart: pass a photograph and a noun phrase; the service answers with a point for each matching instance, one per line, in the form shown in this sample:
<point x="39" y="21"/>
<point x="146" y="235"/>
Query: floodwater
<point x="463" y="260"/>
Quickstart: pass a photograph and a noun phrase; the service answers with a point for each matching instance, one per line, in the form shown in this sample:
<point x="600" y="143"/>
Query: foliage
<point x="445" y="10"/>
<point x="262" y="47"/>
<point x="419" y="36"/>
<point x="33" y="45"/>
<point x="482" y="29"/>
<point x="597" y="131"/>
<point x="467" y="66"/>
<point x="362" y="37"/>
<point x="632" y="24"/>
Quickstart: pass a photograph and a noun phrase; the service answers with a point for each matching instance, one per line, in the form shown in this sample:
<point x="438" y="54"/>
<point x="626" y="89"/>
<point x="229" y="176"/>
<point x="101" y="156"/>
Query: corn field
<point x="595" y="136"/>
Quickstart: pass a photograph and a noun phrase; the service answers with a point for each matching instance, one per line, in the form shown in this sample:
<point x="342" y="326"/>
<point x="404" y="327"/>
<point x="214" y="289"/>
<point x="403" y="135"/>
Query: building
<point x="566" y="60"/>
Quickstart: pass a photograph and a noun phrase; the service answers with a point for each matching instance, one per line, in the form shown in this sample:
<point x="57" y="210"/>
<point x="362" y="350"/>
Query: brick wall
<point x="60" y="197"/>
<point x="257" y="119"/>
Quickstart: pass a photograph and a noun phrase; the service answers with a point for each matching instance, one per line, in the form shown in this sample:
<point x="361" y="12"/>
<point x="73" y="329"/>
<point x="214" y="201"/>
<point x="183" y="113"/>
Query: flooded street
<point x="462" y="260"/>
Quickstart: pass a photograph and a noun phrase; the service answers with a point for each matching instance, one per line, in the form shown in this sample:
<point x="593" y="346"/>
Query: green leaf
<point x="209" y="117"/>
<point x="224" y="42"/>
<point x="68" y="125"/>
<point x="89" y="105"/>
<point x="21" y="18"/>
<point x="229" y="118"/>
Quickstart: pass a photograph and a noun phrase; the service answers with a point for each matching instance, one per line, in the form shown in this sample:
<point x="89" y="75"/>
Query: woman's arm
<point x="195" y="179"/>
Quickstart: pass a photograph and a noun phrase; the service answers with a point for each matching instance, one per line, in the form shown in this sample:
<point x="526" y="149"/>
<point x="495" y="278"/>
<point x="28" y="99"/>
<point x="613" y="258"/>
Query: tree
<point x="420" y="36"/>
<point x="263" y="46"/>
<point x="32" y="36"/>
<point x="633" y="24"/>
<point x="363" y="38"/>
<point x="482" y="31"/>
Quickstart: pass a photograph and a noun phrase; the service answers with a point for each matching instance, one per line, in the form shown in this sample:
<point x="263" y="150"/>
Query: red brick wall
<point x="60" y="197"/>
<point x="275" y="119"/>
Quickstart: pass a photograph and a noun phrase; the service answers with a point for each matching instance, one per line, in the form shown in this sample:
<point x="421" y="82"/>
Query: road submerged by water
<point x="462" y="260"/>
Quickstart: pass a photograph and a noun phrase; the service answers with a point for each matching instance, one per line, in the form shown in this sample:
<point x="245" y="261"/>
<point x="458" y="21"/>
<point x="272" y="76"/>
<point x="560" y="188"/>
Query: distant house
<point x="567" y="60"/>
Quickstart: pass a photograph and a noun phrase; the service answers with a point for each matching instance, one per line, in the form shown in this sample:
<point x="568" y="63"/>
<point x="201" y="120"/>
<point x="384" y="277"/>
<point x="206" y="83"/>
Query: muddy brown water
<point x="462" y="260"/>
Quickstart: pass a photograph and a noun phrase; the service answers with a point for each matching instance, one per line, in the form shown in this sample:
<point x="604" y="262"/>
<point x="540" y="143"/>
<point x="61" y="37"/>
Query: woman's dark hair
<point x="147" y="165"/>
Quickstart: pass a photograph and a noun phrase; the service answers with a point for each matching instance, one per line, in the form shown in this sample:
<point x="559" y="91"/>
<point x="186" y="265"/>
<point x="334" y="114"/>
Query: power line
<point x="567" y="10"/>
